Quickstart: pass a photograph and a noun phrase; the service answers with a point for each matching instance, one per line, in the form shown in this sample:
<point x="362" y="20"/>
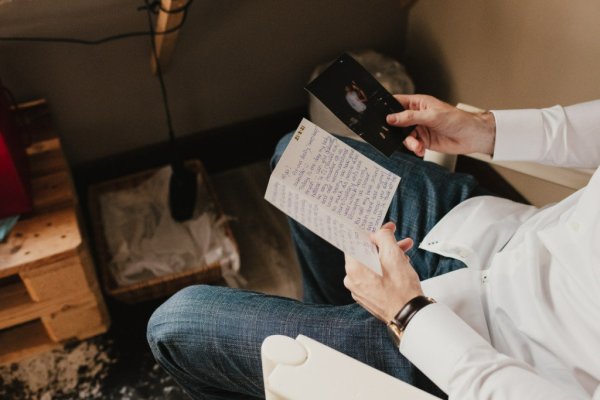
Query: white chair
<point x="305" y="369"/>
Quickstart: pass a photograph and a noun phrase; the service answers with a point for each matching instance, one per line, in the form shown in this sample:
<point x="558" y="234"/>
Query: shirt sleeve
<point x="562" y="136"/>
<point x="465" y="366"/>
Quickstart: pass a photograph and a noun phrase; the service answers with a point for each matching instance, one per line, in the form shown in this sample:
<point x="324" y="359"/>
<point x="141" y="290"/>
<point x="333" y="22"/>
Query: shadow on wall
<point x="506" y="54"/>
<point x="426" y="65"/>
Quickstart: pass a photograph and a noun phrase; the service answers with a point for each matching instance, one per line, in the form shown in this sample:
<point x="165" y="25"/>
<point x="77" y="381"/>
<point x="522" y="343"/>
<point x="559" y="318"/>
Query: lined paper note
<point x="333" y="190"/>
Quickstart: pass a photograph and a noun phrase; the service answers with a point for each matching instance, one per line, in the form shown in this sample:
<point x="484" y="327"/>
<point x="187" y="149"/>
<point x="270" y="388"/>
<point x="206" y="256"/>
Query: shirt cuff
<point x="435" y="340"/>
<point x="519" y="135"/>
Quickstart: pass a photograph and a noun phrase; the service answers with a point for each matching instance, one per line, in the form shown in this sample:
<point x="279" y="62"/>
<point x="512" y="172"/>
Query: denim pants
<point x="208" y="338"/>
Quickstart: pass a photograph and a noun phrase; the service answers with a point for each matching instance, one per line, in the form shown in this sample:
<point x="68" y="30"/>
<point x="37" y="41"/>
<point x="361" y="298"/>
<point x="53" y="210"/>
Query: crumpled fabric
<point x="144" y="242"/>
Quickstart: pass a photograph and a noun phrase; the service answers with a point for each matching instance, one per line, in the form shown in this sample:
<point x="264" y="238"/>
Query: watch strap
<point x="410" y="309"/>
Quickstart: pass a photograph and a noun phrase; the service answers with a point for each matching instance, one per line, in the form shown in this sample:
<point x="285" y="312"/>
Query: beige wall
<point x="235" y="60"/>
<point x="507" y="54"/>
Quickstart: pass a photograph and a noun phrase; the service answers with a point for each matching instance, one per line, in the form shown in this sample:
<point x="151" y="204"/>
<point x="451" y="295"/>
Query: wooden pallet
<point x="48" y="287"/>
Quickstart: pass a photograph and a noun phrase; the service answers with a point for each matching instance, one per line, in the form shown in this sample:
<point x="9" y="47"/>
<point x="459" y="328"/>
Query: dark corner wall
<point x="234" y="61"/>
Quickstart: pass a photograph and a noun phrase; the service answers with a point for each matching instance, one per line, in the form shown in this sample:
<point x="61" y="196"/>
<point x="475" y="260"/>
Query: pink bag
<point x="15" y="184"/>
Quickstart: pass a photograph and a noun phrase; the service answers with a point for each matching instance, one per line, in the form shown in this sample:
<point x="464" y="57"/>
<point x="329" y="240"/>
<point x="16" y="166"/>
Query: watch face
<point x="394" y="332"/>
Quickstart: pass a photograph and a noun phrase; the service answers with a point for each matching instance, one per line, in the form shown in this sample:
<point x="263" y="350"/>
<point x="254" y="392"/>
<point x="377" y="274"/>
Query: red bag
<point x="15" y="184"/>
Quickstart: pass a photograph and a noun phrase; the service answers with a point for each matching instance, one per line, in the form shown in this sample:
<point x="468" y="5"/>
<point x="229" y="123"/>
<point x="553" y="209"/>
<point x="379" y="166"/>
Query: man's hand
<point x="383" y="296"/>
<point x="442" y="127"/>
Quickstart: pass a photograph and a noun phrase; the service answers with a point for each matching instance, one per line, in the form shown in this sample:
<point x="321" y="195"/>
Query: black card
<point x="360" y="102"/>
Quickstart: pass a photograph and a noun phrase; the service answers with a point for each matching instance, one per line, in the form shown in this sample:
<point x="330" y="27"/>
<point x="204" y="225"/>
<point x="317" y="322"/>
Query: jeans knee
<point x="280" y="148"/>
<point x="171" y="320"/>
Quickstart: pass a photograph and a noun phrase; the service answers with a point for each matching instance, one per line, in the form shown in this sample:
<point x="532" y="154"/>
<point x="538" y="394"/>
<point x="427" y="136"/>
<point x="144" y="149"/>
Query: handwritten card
<point x="333" y="190"/>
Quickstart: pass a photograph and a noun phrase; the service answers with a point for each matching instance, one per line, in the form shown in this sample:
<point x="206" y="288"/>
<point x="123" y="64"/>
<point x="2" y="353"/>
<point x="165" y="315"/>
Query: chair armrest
<point x="305" y="369"/>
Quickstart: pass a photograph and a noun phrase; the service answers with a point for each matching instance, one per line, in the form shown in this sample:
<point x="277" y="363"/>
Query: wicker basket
<point x="160" y="286"/>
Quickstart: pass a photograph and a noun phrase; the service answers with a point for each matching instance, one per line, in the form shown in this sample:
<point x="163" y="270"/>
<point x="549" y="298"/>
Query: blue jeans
<point x="208" y="338"/>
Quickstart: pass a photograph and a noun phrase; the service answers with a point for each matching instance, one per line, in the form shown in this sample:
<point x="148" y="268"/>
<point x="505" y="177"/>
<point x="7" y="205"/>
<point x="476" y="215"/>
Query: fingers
<point x="415" y="145"/>
<point x="384" y="239"/>
<point x="411" y="117"/>
<point x="348" y="283"/>
<point x="414" y="101"/>
<point x="404" y="99"/>
<point x="405" y="244"/>
<point x="390" y="225"/>
<point x="418" y="110"/>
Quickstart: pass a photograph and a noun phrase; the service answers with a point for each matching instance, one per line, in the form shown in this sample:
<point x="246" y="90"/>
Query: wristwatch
<point x="397" y="326"/>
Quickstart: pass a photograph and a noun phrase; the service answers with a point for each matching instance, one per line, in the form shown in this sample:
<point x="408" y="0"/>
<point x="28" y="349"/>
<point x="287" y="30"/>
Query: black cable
<point x="151" y="7"/>
<point x="183" y="182"/>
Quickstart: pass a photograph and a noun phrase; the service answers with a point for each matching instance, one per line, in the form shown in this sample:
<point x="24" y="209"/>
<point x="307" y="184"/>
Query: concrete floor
<point x="268" y="260"/>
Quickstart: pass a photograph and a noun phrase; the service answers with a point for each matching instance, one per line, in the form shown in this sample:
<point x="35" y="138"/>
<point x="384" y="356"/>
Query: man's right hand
<point x="442" y="127"/>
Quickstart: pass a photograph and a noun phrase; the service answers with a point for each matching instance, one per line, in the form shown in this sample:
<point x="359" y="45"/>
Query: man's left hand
<point x="383" y="296"/>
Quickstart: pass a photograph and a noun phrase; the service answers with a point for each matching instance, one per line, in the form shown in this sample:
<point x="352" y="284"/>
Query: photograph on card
<point x="348" y="90"/>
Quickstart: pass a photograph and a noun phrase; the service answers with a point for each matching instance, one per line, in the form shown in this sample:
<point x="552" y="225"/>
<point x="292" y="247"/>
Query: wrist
<point x="401" y="299"/>
<point x="486" y="132"/>
<point x="399" y="323"/>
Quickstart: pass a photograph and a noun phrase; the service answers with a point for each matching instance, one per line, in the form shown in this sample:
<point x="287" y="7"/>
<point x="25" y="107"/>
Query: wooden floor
<point x="268" y="260"/>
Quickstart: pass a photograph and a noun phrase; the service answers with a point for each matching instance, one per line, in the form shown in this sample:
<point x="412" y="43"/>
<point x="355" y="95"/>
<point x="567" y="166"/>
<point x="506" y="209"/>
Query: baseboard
<point x="237" y="145"/>
<point x="218" y="149"/>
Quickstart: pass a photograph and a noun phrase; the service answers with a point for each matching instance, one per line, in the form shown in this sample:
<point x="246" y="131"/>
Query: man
<point x="516" y="288"/>
<point x="356" y="98"/>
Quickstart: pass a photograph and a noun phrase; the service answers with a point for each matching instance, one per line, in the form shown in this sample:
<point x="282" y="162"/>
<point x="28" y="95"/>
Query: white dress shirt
<point x="523" y="320"/>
